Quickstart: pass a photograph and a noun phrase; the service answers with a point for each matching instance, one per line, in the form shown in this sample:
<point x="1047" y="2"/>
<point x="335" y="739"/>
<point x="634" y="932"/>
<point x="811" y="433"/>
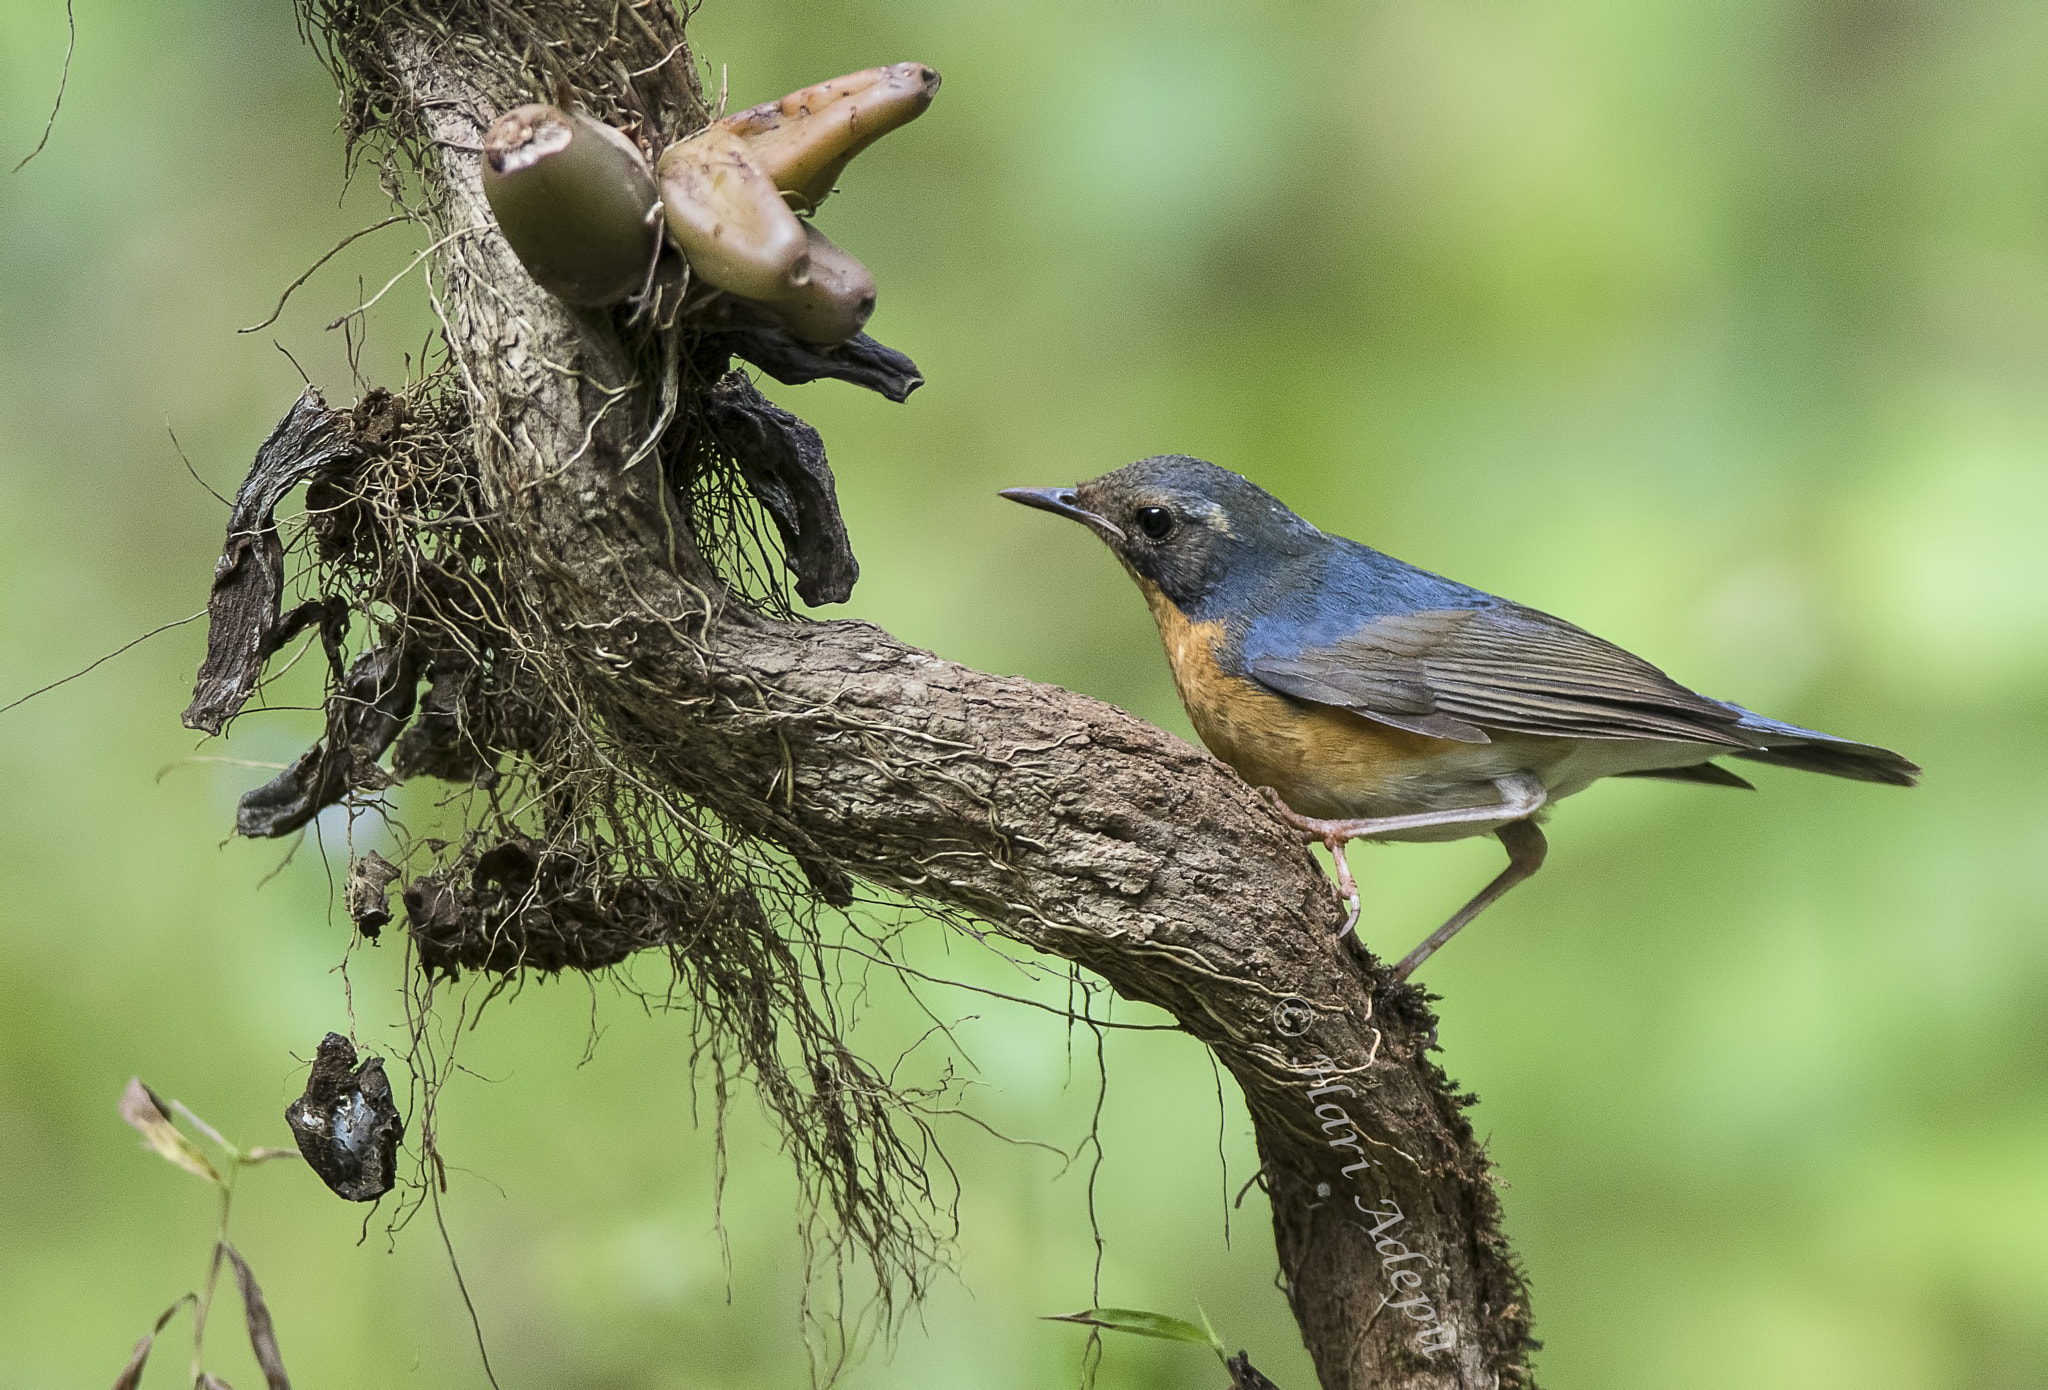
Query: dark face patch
<point x="1195" y="532"/>
<point x="1180" y="543"/>
<point x="1187" y="526"/>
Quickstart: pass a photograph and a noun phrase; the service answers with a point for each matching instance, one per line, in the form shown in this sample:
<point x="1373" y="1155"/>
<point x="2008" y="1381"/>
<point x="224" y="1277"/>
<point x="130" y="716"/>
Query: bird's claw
<point x="1346" y="886"/>
<point x="1352" y="908"/>
<point x="1316" y="833"/>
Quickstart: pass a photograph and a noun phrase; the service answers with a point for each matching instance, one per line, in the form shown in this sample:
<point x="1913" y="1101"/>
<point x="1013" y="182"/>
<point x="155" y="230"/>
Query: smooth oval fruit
<point x="728" y="218"/>
<point x="806" y="139"/>
<point x="837" y="300"/>
<point x="575" y="201"/>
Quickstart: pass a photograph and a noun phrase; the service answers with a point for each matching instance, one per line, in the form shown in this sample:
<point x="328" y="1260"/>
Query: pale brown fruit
<point x="835" y="302"/>
<point x="728" y="218"/>
<point x="575" y="201"/>
<point x="807" y="138"/>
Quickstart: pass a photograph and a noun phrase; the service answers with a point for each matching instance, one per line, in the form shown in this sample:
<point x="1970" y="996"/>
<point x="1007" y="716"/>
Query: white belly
<point x="1463" y="775"/>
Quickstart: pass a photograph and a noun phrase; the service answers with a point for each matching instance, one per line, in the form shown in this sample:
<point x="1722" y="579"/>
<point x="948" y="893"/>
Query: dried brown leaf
<point x="262" y="1336"/>
<point x="263" y="1153"/>
<point x="131" y="1374"/>
<point x="141" y="1108"/>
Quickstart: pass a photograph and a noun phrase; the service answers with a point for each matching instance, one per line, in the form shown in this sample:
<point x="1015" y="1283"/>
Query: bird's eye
<point x="1155" y="522"/>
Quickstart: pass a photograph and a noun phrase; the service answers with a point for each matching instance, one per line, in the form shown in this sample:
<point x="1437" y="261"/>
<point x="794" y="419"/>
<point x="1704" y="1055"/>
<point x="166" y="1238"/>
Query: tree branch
<point x="1063" y="822"/>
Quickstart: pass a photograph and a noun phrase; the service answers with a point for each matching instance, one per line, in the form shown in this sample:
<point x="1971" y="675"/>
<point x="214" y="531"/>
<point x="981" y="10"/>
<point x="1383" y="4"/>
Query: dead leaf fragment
<point x="347" y="1123"/>
<point x="131" y="1374"/>
<point x="152" y="1119"/>
<point x="262" y="1335"/>
<point x="369" y="892"/>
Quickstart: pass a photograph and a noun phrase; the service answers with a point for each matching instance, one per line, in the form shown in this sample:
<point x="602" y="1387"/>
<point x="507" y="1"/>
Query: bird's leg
<point x="1526" y="847"/>
<point x="1521" y="795"/>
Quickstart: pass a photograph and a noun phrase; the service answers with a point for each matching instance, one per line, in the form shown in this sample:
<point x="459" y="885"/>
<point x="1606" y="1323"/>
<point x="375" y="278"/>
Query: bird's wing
<point x="1454" y="673"/>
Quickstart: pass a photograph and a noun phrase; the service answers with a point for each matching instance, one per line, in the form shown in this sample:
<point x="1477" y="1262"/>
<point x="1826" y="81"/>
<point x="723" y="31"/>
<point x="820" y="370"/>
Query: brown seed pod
<point x="574" y="199"/>
<point x="806" y="139"/>
<point x="836" y="301"/>
<point x="728" y="218"/>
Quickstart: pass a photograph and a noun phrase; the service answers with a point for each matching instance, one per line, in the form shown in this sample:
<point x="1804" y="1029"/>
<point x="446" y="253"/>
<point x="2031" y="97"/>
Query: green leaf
<point x="1143" y="1324"/>
<point x="141" y="1108"/>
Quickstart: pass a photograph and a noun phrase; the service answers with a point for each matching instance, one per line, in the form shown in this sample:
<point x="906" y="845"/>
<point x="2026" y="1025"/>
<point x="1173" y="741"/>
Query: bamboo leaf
<point x="1143" y="1324"/>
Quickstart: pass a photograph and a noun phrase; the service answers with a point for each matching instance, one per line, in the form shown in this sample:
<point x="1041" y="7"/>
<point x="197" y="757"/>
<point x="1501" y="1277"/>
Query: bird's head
<point x="1182" y="525"/>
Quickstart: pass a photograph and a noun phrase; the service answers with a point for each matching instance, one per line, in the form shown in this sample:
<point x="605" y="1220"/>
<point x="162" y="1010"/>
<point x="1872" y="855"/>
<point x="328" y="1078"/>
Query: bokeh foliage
<point x="1721" y="329"/>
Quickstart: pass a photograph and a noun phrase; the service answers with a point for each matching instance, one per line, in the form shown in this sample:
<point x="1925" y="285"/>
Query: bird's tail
<point x="1788" y="745"/>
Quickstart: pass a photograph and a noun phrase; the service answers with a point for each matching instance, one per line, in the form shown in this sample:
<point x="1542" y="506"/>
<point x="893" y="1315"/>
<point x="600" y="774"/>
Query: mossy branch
<point x="674" y="722"/>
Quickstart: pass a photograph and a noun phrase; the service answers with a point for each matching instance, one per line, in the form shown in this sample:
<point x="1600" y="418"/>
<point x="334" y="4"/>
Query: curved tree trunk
<point x="1064" y="823"/>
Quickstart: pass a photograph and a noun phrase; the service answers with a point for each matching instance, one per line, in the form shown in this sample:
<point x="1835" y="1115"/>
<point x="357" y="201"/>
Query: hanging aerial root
<point x="456" y="652"/>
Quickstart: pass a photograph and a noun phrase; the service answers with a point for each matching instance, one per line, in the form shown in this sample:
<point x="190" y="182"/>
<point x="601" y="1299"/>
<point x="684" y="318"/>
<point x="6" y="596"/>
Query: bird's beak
<point x="1063" y="501"/>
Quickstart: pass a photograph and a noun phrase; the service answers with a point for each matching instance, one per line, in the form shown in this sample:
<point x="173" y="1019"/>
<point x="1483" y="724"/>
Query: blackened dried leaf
<point x="860" y="360"/>
<point x="332" y="616"/>
<point x="343" y="520"/>
<point x="363" y="716"/>
<point x="736" y="327"/>
<point x="369" y="892"/>
<point x="783" y="461"/>
<point x="248" y="580"/>
<point x="830" y="882"/>
<point x="347" y="1125"/>
<point x="262" y="1336"/>
<point x="443" y="739"/>
<point x="522" y="906"/>
<point x="1245" y="1376"/>
<point x="131" y="1374"/>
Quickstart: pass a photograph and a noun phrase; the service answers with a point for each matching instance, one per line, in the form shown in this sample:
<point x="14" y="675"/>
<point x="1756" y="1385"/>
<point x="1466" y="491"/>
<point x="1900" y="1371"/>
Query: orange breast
<point x="1323" y="761"/>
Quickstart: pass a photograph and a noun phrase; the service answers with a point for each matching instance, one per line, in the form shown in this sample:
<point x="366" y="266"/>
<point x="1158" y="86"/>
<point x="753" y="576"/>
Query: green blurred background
<point x="1720" y="328"/>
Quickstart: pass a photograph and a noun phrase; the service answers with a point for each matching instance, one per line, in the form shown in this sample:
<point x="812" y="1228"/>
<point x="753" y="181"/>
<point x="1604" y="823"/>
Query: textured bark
<point x="1063" y="822"/>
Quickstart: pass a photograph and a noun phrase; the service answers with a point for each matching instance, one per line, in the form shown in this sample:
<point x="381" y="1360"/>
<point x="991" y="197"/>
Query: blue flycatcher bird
<point x="1371" y="700"/>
